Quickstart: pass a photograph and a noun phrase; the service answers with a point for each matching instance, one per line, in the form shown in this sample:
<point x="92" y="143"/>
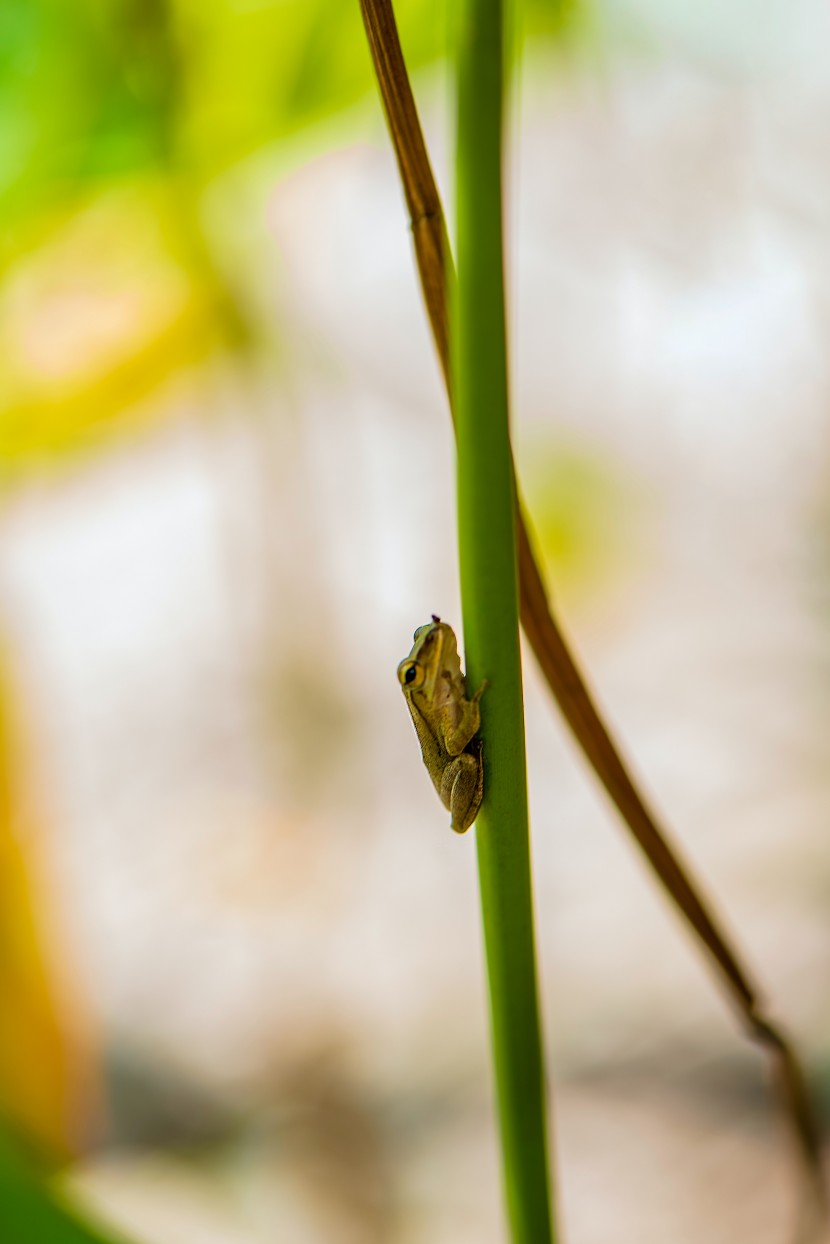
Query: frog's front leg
<point x="456" y="739"/>
<point x="462" y="784"/>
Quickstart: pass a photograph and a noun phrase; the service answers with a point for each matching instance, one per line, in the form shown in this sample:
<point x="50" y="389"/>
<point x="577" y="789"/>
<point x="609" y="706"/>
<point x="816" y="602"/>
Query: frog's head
<point x="432" y="653"/>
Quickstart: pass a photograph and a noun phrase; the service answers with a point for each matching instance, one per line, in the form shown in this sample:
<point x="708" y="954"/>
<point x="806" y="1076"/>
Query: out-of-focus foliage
<point x="44" y="1070"/>
<point x="115" y="116"/>
<point x="31" y="1214"/>
<point x="579" y="504"/>
<point x="108" y="88"/>
<point x="118" y="294"/>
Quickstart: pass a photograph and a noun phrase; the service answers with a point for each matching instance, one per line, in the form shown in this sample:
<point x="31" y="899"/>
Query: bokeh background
<point x="240" y="959"/>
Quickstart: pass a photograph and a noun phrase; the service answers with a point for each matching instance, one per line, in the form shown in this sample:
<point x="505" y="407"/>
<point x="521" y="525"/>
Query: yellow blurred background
<point x="240" y="962"/>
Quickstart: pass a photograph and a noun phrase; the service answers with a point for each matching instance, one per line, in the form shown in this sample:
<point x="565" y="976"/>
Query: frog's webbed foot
<point x="462" y="786"/>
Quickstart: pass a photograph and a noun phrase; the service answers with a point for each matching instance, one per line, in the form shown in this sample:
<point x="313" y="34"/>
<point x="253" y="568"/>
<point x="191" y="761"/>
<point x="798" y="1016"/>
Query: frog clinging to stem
<point x="446" y="722"/>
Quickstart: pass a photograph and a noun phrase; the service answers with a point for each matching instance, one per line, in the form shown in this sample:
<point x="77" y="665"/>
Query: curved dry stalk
<point x="555" y="659"/>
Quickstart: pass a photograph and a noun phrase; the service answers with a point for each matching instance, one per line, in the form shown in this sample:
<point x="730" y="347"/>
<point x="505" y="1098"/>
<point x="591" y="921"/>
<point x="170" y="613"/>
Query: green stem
<point x="487" y="553"/>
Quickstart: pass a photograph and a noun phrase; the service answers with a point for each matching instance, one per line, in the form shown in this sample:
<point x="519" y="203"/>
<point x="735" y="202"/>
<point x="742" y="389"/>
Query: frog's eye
<point x="410" y="674"/>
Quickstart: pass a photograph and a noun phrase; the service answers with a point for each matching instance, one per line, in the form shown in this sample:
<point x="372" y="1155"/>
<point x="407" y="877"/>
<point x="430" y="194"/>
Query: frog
<point x="445" y="720"/>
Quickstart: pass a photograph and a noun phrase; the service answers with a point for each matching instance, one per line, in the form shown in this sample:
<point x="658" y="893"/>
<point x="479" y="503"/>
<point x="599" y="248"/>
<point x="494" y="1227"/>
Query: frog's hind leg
<point x="461" y="790"/>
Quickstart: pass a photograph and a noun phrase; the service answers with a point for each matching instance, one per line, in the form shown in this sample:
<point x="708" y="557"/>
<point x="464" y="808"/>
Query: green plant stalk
<point x="489" y="592"/>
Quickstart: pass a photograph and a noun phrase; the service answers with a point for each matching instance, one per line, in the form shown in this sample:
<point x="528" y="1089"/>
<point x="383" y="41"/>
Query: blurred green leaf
<point x="110" y="87"/>
<point x="102" y="88"/>
<point x="116" y="116"/>
<point x="31" y="1214"/>
<point x="116" y="296"/>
